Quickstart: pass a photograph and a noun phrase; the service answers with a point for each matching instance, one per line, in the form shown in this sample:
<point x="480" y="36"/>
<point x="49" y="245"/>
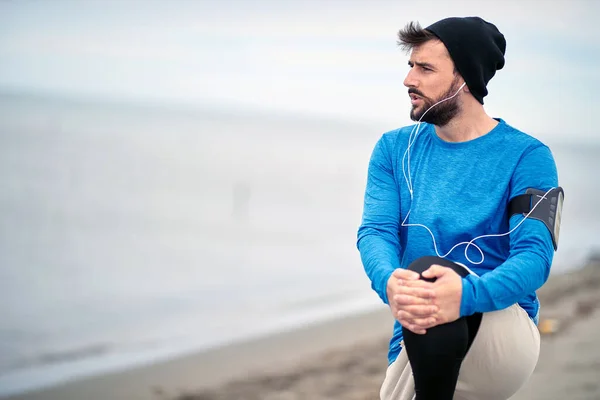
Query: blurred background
<point x="175" y="175"/>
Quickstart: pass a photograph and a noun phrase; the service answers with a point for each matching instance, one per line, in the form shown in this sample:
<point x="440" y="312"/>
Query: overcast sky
<point x="333" y="58"/>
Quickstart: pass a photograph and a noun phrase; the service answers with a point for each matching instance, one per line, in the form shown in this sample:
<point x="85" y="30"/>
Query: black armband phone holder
<point x="547" y="207"/>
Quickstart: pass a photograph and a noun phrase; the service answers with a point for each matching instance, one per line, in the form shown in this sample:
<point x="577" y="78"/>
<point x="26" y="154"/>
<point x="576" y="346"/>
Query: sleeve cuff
<point x="467" y="302"/>
<point x="383" y="286"/>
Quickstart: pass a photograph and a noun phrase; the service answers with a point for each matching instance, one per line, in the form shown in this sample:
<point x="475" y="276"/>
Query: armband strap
<point x="549" y="209"/>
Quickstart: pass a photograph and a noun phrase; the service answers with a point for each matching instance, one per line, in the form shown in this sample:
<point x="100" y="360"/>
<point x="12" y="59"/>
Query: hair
<point x="412" y="35"/>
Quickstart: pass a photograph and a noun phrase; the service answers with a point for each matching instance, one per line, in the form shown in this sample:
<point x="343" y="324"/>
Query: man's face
<point x="432" y="79"/>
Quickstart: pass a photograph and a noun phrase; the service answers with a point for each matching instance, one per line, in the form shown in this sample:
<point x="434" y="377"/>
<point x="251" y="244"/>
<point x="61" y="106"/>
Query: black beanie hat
<point x="477" y="48"/>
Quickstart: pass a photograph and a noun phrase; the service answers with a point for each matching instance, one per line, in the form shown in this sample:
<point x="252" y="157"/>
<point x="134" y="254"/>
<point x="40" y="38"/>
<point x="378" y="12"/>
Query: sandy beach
<point x="346" y="359"/>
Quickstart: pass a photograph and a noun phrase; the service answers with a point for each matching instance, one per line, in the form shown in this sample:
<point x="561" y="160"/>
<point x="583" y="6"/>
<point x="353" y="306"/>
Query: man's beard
<point x="442" y="113"/>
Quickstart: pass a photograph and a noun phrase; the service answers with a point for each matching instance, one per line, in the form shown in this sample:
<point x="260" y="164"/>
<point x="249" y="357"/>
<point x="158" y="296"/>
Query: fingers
<point x="421" y="292"/>
<point x="418" y="323"/>
<point x="414" y="329"/>
<point x="436" y="271"/>
<point x="403" y="300"/>
<point x="420" y="311"/>
<point x="405" y="274"/>
<point x="418" y="283"/>
<point x="415" y="324"/>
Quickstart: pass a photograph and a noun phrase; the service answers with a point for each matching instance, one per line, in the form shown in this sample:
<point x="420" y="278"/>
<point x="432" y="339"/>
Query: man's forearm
<point x="506" y="285"/>
<point x="380" y="259"/>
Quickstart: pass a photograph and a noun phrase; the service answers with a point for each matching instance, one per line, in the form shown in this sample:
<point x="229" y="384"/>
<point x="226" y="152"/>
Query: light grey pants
<point x="501" y="359"/>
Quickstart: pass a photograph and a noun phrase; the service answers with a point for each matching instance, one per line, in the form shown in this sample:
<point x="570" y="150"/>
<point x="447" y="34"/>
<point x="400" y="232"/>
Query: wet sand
<point x="346" y="359"/>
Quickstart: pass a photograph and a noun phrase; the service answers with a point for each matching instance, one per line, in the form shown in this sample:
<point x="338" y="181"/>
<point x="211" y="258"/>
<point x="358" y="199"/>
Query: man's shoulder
<point x="402" y="134"/>
<point x="405" y="130"/>
<point x="520" y="138"/>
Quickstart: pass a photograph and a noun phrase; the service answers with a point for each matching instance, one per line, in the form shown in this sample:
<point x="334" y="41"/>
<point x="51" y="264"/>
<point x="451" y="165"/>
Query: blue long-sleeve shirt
<point x="460" y="191"/>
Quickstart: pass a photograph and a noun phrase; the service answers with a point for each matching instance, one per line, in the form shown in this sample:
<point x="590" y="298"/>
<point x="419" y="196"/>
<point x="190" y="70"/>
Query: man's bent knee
<point x="422" y="264"/>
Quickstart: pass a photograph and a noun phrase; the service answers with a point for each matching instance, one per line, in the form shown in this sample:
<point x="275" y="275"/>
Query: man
<point x="460" y="224"/>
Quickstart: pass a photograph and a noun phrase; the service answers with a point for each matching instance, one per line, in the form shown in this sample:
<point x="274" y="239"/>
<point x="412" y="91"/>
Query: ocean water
<point x="131" y="234"/>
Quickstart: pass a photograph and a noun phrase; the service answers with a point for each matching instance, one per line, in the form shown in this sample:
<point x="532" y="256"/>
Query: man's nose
<point x="410" y="81"/>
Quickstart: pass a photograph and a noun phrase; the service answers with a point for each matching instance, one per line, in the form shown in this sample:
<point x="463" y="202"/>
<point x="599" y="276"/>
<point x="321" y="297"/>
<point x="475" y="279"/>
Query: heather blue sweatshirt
<point x="460" y="191"/>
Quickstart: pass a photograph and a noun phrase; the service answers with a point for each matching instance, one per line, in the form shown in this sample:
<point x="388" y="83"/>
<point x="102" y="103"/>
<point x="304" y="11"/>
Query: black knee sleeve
<point x="423" y="263"/>
<point x="436" y="356"/>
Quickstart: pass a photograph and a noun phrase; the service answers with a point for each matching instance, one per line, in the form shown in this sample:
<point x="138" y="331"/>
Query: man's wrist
<point x="386" y="279"/>
<point x="467" y="299"/>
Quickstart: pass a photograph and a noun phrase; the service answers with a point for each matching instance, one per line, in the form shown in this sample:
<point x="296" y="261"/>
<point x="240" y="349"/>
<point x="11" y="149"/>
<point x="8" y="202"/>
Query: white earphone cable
<point x="411" y="141"/>
<point x="406" y="171"/>
<point x="472" y="241"/>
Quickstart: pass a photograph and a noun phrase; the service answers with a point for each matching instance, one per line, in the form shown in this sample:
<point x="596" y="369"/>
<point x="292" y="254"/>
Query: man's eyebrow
<point x="421" y="64"/>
